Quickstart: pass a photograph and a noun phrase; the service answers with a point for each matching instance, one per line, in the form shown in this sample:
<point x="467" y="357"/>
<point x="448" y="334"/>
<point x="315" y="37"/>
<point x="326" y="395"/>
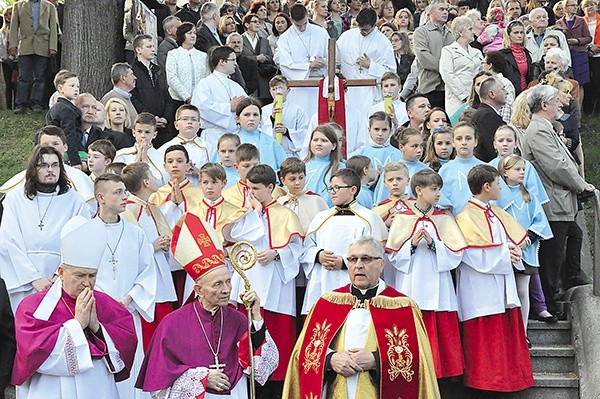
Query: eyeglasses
<point x="366" y="260"/>
<point x="189" y="118"/>
<point x="44" y="165"/>
<point x="335" y="189"/>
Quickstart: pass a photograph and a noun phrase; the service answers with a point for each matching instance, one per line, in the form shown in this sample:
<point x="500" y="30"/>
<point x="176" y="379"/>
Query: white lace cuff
<point x="265" y="363"/>
<point x="191" y="385"/>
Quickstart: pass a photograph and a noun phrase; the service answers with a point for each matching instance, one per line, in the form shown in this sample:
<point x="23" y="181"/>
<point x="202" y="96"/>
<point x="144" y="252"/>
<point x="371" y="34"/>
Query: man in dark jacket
<point x="151" y="91"/>
<point x="487" y="119"/>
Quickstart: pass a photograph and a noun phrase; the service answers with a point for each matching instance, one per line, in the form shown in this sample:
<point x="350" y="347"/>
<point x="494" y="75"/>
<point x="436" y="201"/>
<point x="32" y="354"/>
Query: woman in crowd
<point x="387" y="13"/>
<point x="185" y="65"/>
<point x="273" y="8"/>
<point x="281" y="23"/>
<point x="459" y="63"/>
<point x="473" y="101"/>
<point x="578" y="37"/>
<point x="320" y="16"/>
<point x="259" y="8"/>
<point x="404" y="20"/>
<point x="559" y="9"/>
<point x="226" y="27"/>
<point x="387" y="29"/>
<point x="517" y="57"/>
<point x="335" y="14"/>
<point x="592" y="90"/>
<point x="403" y="54"/>
<point x="117" y="123"/>
<point x="258" y="48"/>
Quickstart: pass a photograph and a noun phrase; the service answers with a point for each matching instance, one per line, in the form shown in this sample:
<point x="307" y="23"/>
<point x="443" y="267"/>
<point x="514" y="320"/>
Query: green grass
<point x="17" y="136"/>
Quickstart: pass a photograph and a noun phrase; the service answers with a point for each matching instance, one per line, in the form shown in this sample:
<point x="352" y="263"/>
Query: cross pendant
<point x="114" y="262"/>
<point x="217" y="366"/>
<point x="41" y="225"/>
<point x="360" y="69"/>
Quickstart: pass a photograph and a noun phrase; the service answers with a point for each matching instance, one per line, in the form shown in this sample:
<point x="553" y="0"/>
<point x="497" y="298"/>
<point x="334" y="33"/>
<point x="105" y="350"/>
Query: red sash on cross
<point x="332" y="110"/>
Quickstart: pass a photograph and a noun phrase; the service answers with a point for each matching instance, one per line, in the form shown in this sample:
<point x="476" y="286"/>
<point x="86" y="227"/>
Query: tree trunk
<point x="93" y="41"/>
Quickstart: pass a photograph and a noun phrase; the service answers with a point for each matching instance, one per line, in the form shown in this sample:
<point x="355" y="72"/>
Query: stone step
<point x="551" y="386"/>
<point x="553" y="359"/>
<point x="543" y="334"/>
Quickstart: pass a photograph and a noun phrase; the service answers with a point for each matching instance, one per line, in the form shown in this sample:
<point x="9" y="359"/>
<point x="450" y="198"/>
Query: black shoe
<point x="529" y="344"/>
<point x="575" y="282"/>
<point x="20" y="110"/>
<point x="38" y="108"/>
<point x="561" y="316"/>
<point x="549" y="319"/>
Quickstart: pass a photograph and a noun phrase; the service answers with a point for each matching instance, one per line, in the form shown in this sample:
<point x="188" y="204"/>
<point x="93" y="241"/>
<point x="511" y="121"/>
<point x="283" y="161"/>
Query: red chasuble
<point x="405" y="357"/>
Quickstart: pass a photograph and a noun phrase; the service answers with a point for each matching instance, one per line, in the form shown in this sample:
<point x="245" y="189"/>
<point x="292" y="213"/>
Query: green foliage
<point x="590" y="137"/>
<point x="17" y="136"/>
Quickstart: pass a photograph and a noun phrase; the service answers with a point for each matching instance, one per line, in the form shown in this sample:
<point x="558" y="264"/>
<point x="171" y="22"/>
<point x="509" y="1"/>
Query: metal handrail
<point x="596" y="258"/>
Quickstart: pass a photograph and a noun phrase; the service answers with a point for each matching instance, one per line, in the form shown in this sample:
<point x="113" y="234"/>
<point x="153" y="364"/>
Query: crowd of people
<point x="403" y="233"/>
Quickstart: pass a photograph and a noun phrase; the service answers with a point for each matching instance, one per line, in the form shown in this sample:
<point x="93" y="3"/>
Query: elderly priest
<point x="72" y="341"/>
<point x="364" y="340"/>
<point x="201" y="350"/>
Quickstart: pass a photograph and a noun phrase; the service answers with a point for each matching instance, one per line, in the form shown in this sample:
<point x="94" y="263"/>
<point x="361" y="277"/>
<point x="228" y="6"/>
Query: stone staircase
<point x="553" y="361"/>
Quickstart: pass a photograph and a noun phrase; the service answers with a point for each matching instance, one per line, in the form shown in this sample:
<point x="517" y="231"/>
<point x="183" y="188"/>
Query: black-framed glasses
<point x="366" y="260"/>
<point x="335" y="189"/>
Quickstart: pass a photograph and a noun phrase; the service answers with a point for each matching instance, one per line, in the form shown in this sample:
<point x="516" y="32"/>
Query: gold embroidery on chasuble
<point x="399" y="355"/>
<point x="315" y="347"/>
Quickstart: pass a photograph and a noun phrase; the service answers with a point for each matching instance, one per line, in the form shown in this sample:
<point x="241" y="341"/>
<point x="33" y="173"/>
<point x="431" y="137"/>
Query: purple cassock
<point x="36" y="338"/>
<point x="179" y="344"/>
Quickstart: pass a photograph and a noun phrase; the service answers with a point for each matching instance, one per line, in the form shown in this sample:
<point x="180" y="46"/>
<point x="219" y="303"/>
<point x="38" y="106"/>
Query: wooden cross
<point x="331" y="84"/>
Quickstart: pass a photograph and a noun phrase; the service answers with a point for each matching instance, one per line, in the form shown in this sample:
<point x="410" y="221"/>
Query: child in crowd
<point x="276" y="233"/>
<point x="294" y="124"/>
<point x="179" y="195"/>
<point x="491" y="37"/>
<point x="141" y="184"/>
<point x="527" y="209"/>
<point x="439" y="148"/>
<point x="246" y="157"/>
<point x="395" y="178"/>
<point x="505" y="143"/>
<point x="331" y="231"/>
<point x="213" y="208"/>
<point x="390" y="87"/>
<point x="304" y="203"/>
<point x="423" y="246"/>
<point x="368" y="176"/>
<point x="226" y="147"/>
<point x="187" y="124"/>
<point x="410" y="143"/>
<point x="494" y="342"/>
<point x="322" y="161"/>
<point x="67" y="116"/>
<point x="434" y="119"/>
<point x="248" y="114"/>
<point x="456" y="193"/>
<point x="116" y="168"/>
<point x="101" y="153"/>
<point x="144" y="131"/>
<point x="379" y="149"/>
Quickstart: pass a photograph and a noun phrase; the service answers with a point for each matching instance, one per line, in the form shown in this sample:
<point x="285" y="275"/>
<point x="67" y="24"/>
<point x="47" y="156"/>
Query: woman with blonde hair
<point x="404" y="20"/>
<point x="578" y="37"/>
<point x="520" y="118"/>
<point x="117" y="123"/>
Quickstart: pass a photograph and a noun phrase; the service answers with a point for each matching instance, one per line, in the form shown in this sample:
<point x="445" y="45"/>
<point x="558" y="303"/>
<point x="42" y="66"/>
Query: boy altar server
<point x="276" y="233"/>
<point x="329" y="234"/>
<point x="494" y="342"/>
<point x="74" y="342"/>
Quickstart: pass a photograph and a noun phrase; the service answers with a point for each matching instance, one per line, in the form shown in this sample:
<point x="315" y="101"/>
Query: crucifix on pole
<point x="331" y="73"/>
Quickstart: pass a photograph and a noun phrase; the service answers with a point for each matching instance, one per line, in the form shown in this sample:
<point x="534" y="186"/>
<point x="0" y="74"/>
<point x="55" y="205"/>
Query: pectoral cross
<point x="41" y="225"/>
<point x="331" y="85"/>
<point x="114" y="262"/>
<point x="217" y="366"/>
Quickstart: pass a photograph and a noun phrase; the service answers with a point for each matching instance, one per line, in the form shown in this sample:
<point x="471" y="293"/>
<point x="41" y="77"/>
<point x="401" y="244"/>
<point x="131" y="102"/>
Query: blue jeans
<point x="32" y="68"/>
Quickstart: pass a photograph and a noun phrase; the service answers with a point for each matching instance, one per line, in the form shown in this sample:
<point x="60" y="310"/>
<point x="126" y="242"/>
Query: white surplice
<point x="28" y="252"/>
<point x="294" y="52"/>
<point x="485" y="280"/>
<point x="350" y="46"/>
<point x="155" y="161"/>
<point x="134" y="274"/>
<point x="332" y="232"/>
<point x="199" y="151"/>
<point x="296" y="122"/>
<point x="69" y="371"/>
<point x="213" y="96"/>
<point x="425" y="275"/>
<point x="274" y="282"/>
